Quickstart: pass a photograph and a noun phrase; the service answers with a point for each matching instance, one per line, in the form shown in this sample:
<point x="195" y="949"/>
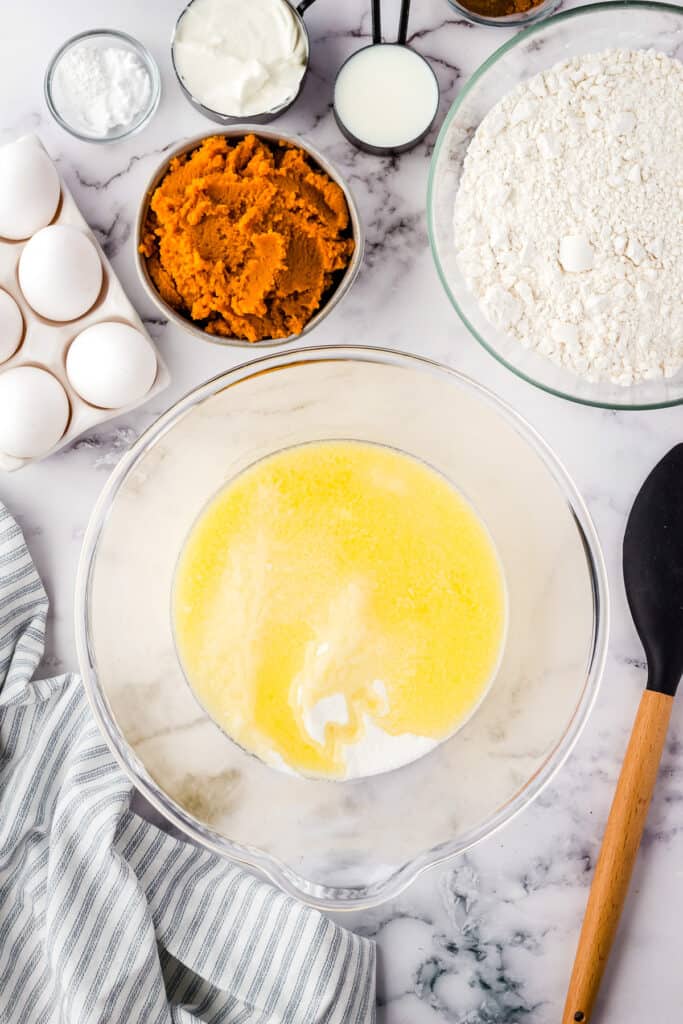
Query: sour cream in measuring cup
<point x="239" y="59"/>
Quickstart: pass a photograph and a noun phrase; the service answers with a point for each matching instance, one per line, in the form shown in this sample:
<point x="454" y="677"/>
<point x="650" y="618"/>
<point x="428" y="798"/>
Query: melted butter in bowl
<point x="339" y="609"/>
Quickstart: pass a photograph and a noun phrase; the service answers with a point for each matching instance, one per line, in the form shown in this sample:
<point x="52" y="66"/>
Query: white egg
<point x="29" y="189"/>
<point x="111" y="365"/>
<point x="60" y="272"/>
<point x="11" y="326"/>
<point x="34" y="412"/>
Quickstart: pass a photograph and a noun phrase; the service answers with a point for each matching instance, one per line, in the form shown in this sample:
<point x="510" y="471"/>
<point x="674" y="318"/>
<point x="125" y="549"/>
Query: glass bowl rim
<point x="315" y="894"/>
<point x="521" y="37"/>
<point x="142" y="52"/>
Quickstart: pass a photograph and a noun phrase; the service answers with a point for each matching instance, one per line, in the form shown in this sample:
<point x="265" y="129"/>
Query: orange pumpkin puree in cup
<point x="246" y="238"/>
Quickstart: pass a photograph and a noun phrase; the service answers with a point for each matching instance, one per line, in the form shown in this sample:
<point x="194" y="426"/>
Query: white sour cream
<point x="240" y="58"/>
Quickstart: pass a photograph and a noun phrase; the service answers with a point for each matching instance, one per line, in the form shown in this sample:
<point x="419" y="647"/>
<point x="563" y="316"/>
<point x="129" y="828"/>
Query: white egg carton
<point x="45" y="342"/>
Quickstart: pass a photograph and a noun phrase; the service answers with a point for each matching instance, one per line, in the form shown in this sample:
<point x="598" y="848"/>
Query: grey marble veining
<point x="490" y="939"/>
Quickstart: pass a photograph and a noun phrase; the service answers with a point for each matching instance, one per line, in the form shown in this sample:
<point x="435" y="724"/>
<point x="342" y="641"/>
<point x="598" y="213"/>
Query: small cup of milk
<point x="386" y="96"/>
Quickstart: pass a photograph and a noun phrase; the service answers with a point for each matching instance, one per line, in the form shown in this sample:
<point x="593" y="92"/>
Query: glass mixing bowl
<point x="341" y="844"/>
<point x="580" y="31"/>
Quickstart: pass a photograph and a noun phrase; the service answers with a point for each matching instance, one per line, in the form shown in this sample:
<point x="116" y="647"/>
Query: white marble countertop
<point x="489" y="939"/>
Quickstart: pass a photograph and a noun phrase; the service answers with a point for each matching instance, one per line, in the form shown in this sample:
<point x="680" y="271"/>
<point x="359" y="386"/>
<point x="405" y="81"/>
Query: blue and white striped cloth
<point x="104" y="918"/>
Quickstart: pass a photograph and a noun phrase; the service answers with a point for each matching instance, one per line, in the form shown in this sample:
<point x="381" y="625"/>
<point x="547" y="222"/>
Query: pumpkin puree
<point x="246" y="238"/>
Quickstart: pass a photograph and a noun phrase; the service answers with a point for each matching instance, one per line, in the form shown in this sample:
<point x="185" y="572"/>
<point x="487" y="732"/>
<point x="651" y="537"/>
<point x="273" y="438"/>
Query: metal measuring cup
<point x="267" y="115"/>
<point x="377" y="42"/>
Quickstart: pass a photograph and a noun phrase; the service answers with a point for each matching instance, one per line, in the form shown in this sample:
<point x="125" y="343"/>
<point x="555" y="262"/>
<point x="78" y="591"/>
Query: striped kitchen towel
<point x="103" y="917"/>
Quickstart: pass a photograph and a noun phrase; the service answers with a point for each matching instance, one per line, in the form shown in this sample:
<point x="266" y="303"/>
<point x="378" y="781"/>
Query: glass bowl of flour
<point x="351" y="841"/>
<point x="553" y="205"/>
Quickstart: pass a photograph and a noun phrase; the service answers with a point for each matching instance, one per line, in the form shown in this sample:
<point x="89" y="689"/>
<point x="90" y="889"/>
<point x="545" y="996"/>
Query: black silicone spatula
<point x="653" y="574"/>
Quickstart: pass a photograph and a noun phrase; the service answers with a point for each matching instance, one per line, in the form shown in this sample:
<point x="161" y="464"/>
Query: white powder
<point x="374" y="750"/>
<point x="378" y="751"/>
<point x="97" y="89"/>
<point x="568" y="224"/>
<point x="332" y="710"/>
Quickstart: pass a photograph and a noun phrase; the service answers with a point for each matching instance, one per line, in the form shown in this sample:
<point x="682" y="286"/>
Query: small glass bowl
<point x="541" y="10"/>
<point x="633" y="24"/>
<point x="102" y="36"/>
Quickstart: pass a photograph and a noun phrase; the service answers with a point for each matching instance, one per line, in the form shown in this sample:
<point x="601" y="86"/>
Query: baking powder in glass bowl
<point x="102" y="85"/>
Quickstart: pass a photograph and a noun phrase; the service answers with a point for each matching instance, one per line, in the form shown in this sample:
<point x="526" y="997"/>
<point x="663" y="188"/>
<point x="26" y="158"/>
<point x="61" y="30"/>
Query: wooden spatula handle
<point x="618" y="853"/>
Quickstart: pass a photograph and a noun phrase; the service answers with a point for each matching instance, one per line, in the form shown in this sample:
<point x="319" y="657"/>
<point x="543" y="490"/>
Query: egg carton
<point x="46" y="342"/>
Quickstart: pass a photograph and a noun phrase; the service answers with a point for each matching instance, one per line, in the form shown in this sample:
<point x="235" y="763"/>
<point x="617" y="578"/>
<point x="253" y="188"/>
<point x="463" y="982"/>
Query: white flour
<point x="568" y="219"/>
<point x="96" y="88"/>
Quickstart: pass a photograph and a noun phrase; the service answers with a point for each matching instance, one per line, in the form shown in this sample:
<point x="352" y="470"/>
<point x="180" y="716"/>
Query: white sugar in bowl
<point x="34" y="412"/>
<point x="111" y="365"/>
<point x="60" y="272"/>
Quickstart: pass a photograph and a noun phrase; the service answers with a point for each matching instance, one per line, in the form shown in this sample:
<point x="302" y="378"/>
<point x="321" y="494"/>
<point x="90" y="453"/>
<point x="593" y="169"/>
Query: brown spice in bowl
<point x="499" y="8"/>
<point x="245" y="237"/>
